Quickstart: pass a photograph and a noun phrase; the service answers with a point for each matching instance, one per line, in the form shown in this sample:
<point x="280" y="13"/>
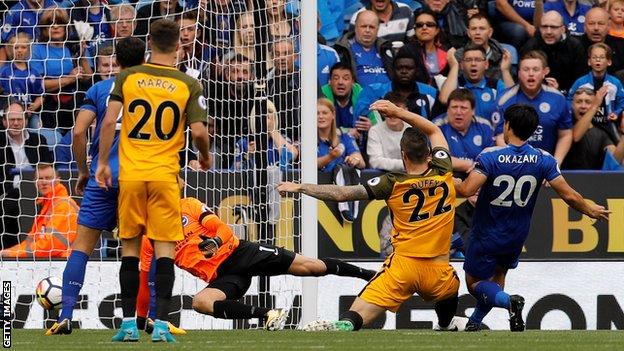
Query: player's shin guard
<point x="344" y="269"/>
<point x="164" y="287"/>
<point x="354" y="318"/>
<point x="129" y="282"/>
<point x="492" y="294"/>
<point x="73" y="278"/>
<point x="231" y="309"/>
<point x="445" y="309"/>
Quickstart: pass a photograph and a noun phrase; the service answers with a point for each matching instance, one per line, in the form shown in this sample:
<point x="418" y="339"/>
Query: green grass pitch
<point x="257" y="340"/>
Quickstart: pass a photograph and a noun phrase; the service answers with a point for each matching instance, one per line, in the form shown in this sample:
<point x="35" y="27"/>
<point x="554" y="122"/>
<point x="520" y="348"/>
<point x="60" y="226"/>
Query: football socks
<point x="129" y="282"/>
<point x="231" y="309"/>
<point x="73" y="278"/>
<point x="164" y="286"/>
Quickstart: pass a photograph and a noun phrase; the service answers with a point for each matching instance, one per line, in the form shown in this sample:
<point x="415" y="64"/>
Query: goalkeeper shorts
<point x="151" y="208"/>
<point x="401" y="277"/>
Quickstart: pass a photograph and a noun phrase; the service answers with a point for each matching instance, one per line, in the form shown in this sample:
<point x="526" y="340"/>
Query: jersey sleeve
<point x="500" y="110"/>
<point x="380" y="188"/>
<point x="550" y="167"/>
<point x="565" y="118"/>
<point x="89" y="102"/>
<point x="483" y="164"/>
<point x="441" y="160"/>
<point x="117" y="93"/>
<point x="196" y="104"/>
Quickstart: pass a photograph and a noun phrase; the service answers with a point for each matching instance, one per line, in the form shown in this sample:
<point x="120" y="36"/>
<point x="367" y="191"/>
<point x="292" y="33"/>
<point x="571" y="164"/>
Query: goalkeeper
<point x="211" y="252"/>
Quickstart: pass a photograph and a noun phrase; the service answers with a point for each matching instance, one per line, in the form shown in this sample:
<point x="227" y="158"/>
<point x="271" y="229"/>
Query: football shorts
<point x="247" y="260"/>
<point x="401" y="277"/>
<point x="98" y="209"/>
<point x="151" y="208"/>
<point x="481" y="263"/>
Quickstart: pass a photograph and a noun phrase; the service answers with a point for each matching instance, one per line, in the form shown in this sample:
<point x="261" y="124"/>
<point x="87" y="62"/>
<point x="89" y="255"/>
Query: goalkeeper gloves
<point x="209" y="246"/>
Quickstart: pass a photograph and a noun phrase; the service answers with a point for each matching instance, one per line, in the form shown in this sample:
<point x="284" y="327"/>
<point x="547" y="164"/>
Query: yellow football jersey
<point x="158" y="103"/>
<point x="422" y="207"/>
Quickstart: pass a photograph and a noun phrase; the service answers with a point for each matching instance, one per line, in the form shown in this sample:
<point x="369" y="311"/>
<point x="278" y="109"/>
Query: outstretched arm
<point x="470" y="185"/>
<point x="576" y="201"/>
<point x="325" y="192"/>
<point x="432" y="131"/>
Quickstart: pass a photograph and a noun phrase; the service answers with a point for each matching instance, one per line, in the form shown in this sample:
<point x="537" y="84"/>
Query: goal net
<point x="245" y="54"/>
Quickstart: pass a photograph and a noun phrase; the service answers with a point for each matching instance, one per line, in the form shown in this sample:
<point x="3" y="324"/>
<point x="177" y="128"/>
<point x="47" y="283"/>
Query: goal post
<point x="309" y="170"/>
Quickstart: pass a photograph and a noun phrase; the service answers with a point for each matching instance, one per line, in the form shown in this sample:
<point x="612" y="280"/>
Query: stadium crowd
<point x="460" y="63"/>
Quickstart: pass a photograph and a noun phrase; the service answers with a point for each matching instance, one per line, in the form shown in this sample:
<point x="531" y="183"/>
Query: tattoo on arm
<point x="330" y="192"/>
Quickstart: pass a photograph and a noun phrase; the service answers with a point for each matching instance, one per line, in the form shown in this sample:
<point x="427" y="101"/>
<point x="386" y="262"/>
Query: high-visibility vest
<point x="54" y="228"/>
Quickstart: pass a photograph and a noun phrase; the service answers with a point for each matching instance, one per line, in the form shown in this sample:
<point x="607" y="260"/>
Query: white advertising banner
<point x="559" y="295"/>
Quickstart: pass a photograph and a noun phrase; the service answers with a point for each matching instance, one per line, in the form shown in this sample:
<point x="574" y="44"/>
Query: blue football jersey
<point x="505" y="204"/>
<point x="552" y="109"/>
<point x="96" y="100"/>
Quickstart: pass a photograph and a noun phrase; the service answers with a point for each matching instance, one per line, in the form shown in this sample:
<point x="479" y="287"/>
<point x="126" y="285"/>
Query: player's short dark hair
<point x="415" y="145"/>
<point x="462" y="94"/>
<point x="395" y="98"/>
<point x="128" y="53"/>
<point x="474" y="47"/>
<point x="522" y="119"/>
<point x="164" y="35"/>
<point x="343" y="66"/>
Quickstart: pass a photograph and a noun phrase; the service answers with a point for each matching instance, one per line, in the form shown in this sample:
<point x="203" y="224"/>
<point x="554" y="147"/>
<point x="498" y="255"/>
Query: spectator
<point x="19" y="79"/>
<point x="22" y="17"/>
<point x="451" y="18"/>
<point x="218" y="18"/>
<point x="485" y="90"/>
<point x="123" y="26"/>
<point x="54" y="59"/>
<point x="396" y="21"/>
<point x="338" y="154"/>
<point x="467" y="134"/>
<point x="428" y="38"/>
<point x="554" y="131"/>
<point x="616" y="12"/>
<point x="192" y="57"/>
<point x="149" y="13"/>
<point x="480" y="33"/>
<point x="421" y="98"/>
<point x="612" y="106"/>
<point x="565" y="53"/>
<point x="384" y="139"/>
<point x="366" y="53"/>
<point x="572" y="13"/>
<point x="54" y="228"/>
<point x="21" y="149"/>
<point x="230" y="103"/>
<point x="245" y="40"/>
<point x="326" y="58"/>
<point x="344" y="93"/>
<point x="280" y="149"/>
<point x="590" y="143"/>
<point x="515" y="21"/>
<point x="283" y="86"/>
<point x="597" y="31"/>
<point x="94" y="13"/>
<point x="281" y="23"/>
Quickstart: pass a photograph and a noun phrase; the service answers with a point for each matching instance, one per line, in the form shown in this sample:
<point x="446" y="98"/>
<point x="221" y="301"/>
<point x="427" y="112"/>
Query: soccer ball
<point x="49" y="293"/>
